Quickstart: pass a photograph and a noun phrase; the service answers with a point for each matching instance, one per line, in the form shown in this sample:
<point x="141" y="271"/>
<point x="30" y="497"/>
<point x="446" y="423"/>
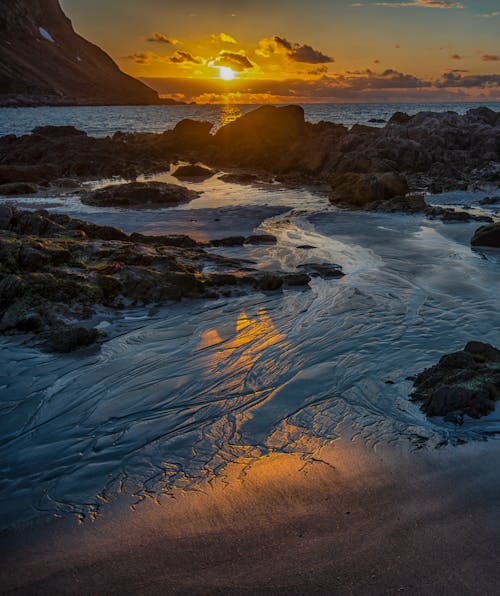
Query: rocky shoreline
<point x="56" y="270"/>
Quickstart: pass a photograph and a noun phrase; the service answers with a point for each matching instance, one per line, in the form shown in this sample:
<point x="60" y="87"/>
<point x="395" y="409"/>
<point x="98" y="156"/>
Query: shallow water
<point x="177" y="393"/>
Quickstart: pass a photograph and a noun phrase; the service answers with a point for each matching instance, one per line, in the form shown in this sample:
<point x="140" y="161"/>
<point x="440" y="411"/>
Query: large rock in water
<point x="462" y="383"/>
<point x="43" y="61"/>
<point x="138" y="195"/>
<point x="264" y="134"/>
<point x="487" y="236"/>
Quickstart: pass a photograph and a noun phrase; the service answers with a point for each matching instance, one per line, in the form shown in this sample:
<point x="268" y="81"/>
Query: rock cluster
<point x="55" y="270"/>
<point x="462" y="383"/>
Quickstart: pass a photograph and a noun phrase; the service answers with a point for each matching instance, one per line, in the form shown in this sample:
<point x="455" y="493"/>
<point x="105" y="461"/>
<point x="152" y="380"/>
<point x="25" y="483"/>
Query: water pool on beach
<point x="176" y="393"/>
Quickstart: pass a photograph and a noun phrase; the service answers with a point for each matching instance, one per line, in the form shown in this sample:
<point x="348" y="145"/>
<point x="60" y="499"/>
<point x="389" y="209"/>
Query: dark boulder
<point x="462" y="383"/>
<point x="487" y="236"/>
<point x="139" y="195"/>
<point x="69" y="338"/>
<point x="193" y="172"/>
<point x="323" y="270"/>
<point x="18" y="188"/>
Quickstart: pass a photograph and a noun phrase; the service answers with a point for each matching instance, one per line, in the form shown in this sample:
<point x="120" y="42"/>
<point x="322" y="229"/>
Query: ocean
<point x="104" y="121"/>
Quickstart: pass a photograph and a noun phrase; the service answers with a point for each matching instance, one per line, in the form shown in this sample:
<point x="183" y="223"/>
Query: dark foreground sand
<point x="354" y="521"/>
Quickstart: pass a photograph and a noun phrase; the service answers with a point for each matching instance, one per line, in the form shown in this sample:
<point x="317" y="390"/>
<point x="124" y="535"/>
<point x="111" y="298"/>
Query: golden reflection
<point x="208" y="338"/>
<point x="229" y="113"/>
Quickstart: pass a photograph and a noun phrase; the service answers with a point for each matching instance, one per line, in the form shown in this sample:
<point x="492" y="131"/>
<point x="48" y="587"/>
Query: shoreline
<point x="358" y="521"/>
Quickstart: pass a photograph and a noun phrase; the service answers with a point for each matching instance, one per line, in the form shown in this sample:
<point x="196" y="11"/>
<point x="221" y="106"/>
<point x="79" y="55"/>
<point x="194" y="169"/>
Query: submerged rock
<point x="140" y="194"/>
<point x="70" y="338"/>
<point x="239" y="178"/>
<point x="323" y="270"/>
<point x="462" y="383"/>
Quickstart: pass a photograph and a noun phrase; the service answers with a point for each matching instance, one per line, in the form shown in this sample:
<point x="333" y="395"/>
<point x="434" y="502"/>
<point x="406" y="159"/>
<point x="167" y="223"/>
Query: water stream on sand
<point x="178" y="392"/>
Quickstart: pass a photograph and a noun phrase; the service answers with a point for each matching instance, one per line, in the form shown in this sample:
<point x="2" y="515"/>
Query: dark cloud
<point x="160" y="38"/>
<point x="490" y="58"/>
<point x="294" y="51"/>
<point x="454" y="79"/>
<point x="456" y="57"/>
<point x="180" y="57"/>
<point x="238" y="62"/>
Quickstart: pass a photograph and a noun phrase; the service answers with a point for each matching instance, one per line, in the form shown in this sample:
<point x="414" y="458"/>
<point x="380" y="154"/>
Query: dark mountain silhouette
<point x="44" y="62"/>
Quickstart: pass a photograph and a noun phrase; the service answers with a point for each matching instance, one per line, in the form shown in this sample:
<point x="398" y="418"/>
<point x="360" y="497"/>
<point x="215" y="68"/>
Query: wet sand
<point x="352" y="521"/>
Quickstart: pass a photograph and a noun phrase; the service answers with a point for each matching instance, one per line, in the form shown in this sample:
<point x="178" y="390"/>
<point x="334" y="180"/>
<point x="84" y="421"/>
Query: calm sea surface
<point x="103" y="121"/>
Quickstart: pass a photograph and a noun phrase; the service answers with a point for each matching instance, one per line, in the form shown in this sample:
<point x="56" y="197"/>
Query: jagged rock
<point x="463" y="383"/>
<point x="360" y="190"/>
<point x="140" y="195"/>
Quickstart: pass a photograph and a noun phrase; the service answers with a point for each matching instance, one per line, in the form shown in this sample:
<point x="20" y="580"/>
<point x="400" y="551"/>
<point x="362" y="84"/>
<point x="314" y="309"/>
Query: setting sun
<point x="226" y="73"/>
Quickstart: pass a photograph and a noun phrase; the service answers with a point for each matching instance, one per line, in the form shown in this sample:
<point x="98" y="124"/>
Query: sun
<point x="226" y="73"/>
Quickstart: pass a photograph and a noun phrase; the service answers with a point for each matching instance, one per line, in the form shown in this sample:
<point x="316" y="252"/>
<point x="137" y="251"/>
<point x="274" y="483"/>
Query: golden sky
<point x="296" y="51"/>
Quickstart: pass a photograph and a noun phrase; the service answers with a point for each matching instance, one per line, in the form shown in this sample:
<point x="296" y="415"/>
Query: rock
<point x="18" y="188"/>
<point x="261" y="239"/>
<point x="400" y="118"/>
<point x="193" y="172"/>
<point x="140" y="195"/>
<point x="57" y="132"/>
<point x="489" y="201"/>
<point x="296" y="279"/>
<point x="408" y="204"/>
<point x="487" y="236"/>
<point x="69" y="338"/>
<point x="268" y="282"/>
<point x="239" y="178"/>
<point x="323" y="270"/>
<point x="6" y="214"/>
<point x="192" y="133"/>
<point x="463" y="383"/>
<point x="230" y="241"/>
<point x="377" y="120"/>
<point x="359" y="190"/>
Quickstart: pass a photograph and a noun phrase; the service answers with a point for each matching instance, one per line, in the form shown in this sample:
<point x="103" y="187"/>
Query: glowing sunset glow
<point x="226" y="73"/>
<point x="316" y="52"/>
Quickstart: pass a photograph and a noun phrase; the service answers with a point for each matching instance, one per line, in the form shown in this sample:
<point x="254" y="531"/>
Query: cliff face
<point x="44" y="62"/>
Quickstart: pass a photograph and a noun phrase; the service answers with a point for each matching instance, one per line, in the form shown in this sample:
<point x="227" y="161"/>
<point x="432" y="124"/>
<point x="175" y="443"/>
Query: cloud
<point x="146" y="58"/>
<point x="417" y="3"/>
<point x="356" y="86"/>
<point x="490" y="58"/>
<point x="222" y="38"/>
<point x="160" y="38"/>
<point x="238" y="62"/>
<point x="456" y="57"/>
<point x="293" y="51"/>
<point x="454" y="79"/>
<point x="490" y="15"/>
<point x="180" y="57"/>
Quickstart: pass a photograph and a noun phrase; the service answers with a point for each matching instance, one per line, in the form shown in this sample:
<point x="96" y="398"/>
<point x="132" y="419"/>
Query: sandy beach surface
<point x="350" y="521"/>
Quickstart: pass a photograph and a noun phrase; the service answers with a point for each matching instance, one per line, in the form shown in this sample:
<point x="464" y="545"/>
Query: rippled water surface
<point x="177" y="393"/>
<point x="103" y="121"/>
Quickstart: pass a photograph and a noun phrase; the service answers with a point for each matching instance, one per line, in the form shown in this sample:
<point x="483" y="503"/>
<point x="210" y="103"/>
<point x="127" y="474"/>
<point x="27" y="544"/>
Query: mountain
<point x="44" y="62"/>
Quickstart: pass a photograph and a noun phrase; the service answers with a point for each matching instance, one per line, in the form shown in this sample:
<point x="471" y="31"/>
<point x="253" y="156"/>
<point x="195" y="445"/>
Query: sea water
<point x="104" y="121"/>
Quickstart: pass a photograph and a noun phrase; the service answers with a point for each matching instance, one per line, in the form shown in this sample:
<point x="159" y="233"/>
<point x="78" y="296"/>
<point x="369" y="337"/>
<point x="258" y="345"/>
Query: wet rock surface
<point x="465" y="383"/>
<point x="193" y="172"/>
<point x="140" y="195"/>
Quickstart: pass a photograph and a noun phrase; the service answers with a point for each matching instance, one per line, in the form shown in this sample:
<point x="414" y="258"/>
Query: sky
<point x="295" y="51"/>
